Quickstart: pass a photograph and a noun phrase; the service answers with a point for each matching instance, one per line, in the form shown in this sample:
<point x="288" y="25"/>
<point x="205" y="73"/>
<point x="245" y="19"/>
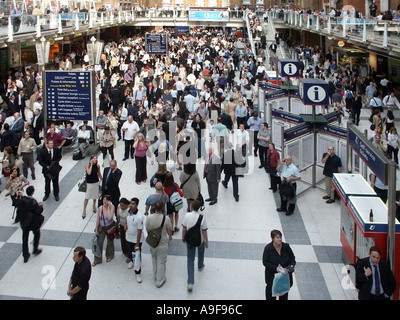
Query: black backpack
<point x="193" y="235"/>
<point x="77" y="155"/>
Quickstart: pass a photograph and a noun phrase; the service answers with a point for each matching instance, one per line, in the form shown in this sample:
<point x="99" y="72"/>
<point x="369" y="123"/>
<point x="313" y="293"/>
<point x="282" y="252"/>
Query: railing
<point x="12" y="26"/>
<point x="378" y="33"/>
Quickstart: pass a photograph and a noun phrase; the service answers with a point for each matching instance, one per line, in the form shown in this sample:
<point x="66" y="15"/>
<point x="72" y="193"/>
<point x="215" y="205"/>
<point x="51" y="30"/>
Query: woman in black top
<point x="277" y="253"/>
<point x="199" y="126"/>
<point x="357" y="110"/>
<point x="93" y="176"/>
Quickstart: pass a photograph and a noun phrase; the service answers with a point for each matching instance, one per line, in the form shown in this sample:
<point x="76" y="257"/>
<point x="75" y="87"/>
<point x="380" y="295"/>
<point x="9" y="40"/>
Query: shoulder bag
<point x="113" y="230"/>
<point x="154" y="236"/>
<point x="19" y="162"/>
<point x="184" y="182"/>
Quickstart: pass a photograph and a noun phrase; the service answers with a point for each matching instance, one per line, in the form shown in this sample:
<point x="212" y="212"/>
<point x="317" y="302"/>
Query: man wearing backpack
<point x="194" y="234"/>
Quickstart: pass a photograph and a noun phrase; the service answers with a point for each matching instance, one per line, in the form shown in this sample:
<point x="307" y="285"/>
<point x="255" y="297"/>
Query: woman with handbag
<point x="105" y="223"/>
<point x="16" y="184"/>
<point x="277" y="254"/>
<point x="93" y="176"/>
<point x="190" y="184"/>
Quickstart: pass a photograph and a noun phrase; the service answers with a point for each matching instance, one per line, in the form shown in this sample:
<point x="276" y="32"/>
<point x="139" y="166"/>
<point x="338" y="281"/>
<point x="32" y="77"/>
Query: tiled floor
<point x="238" y="233"/>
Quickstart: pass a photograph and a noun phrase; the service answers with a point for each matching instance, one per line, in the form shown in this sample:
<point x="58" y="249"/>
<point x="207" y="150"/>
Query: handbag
<point x="19" y="162"/>
<point x="286" y="190"/>
<point x="113" y="232"/>
<point x="154" y="236"/>
<point x="270" y="170"/>
<point x="82" y="184"/>
<point x="6" y="171"/>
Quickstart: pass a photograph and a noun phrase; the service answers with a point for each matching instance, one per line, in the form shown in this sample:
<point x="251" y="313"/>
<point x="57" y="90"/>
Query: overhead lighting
<point x="341" y="43"/>
<point x="58" y="38"/>
<point x="330" y="37"/>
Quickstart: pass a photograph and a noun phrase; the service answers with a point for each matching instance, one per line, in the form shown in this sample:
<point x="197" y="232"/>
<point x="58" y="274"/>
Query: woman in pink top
<point x="140" y="145"/>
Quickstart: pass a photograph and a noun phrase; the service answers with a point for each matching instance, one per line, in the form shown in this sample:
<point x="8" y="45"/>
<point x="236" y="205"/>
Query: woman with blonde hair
<point x="140" y="145"/>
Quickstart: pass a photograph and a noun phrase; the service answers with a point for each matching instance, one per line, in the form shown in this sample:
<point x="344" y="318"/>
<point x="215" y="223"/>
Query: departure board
<point x="69" y="95"/>
<point x="157" y="43"/>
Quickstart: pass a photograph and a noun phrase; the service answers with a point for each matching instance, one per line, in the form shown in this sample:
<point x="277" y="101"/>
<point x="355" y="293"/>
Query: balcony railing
<point x="382" y="34"/>
<point x="21" y="26"/>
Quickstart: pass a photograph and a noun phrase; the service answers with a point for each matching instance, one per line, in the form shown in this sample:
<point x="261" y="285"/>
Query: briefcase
<point x="54" y="170"/>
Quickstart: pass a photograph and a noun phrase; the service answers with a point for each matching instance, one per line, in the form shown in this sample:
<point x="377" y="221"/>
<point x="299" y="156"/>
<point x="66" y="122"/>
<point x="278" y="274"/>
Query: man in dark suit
<point x="226" y="120"/>
<point x="115" y="98"/>
<point x="155" y="94"/>
<point x="11" y="103"/>
<point x="212" y="174"/>
<point x="37" y="125"/>
<point x="20" y="103"/>
<point x="162" y="83"/>
<point x="230" y="162"/>
<point x="374" y="278"/>
<point x="18" y="125"/>
<point x="29" y="214"/>
<point x="110" y="186"/>
<point x="49" y="159"/>
<point x="105" y="84"/>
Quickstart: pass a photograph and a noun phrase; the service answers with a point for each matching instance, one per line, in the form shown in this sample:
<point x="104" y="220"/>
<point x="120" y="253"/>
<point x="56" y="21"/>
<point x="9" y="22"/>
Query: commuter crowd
<point x="196" y="105"/>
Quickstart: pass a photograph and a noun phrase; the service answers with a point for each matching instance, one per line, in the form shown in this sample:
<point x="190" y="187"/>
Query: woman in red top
<point x="272" y="161"/>
<point x="169" y="187"/>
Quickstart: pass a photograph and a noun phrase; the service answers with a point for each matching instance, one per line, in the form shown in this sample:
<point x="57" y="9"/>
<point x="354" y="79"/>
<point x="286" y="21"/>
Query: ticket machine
<point x="348" y="185"/>
<point x="357" y="231"/>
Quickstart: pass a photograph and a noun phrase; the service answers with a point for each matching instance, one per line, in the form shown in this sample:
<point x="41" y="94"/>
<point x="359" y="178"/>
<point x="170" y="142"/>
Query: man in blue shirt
<point x="289" y="173"/>
<point x="221" y="135"/>
<point x="240" y="113"/>
<point x="254" y="124"/>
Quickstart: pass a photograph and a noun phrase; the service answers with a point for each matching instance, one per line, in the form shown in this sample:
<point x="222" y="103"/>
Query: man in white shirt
<point x="390" y="100"/>
<point x="130" y="129"/>
<point x="190" y="101"/>
<point x="134" y="236"/>
<point x="190" y="221"/>
<point x="242" y="139"/>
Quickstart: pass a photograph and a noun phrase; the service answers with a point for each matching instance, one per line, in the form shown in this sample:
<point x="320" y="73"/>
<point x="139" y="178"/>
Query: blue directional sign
<point x="335" y="130"/>
<point x="296" y="131"/>
<point x="368" y="153"/>
<point x="181" y="30"/>
<point x="69" y="95"/>
<point x="314" y="92"/>
<point x="157" y="43"/>
<point x="288" y="68"/>
<point x="275" y="94"/>
<point x="287" y="116"/>
<point x="332" y="116"/>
